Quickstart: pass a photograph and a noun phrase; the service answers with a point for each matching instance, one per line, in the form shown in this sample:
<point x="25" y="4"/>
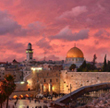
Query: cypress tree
<point x="105" y="64"/>
<point x="108" y="66"/>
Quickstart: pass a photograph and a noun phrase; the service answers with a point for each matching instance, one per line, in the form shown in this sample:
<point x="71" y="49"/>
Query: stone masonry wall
<point x="80" y="79"/>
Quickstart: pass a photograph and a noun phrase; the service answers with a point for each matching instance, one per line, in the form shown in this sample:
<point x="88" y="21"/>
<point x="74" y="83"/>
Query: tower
<point x="29" y="52"/>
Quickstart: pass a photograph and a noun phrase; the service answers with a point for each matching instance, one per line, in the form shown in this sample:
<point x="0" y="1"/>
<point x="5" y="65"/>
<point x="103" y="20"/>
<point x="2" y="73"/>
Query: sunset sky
<point x="53" y="27"/>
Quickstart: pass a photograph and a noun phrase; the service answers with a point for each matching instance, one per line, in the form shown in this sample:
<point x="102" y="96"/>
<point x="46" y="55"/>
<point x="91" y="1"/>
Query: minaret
<point x="29" y="52"/>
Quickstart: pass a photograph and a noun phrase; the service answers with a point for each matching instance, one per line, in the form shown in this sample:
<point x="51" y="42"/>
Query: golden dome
<point x="75" y="52"/>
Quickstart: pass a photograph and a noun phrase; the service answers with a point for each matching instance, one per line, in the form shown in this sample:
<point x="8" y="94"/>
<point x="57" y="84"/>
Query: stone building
<point x="13" y="70"/>
<point x="45" y="81"/>
<point x="49" y="81"/>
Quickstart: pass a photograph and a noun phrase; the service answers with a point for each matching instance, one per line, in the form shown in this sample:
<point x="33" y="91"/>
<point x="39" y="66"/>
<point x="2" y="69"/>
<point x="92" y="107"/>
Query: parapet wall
<point x="79" y="79"/>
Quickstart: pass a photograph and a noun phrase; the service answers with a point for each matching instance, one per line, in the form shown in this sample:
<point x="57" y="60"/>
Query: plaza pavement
<point x="23" y="103"/>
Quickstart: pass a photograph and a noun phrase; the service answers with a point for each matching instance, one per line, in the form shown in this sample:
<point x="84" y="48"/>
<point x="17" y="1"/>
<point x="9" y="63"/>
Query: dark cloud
<point x="12" y="45"/>
<point x="45" y="45"/>
<point x="102" y="34"/>
<point x="66" y="34"/>
<point x="75" y="19"/>
<point x="85" y="14"/>
<point x="9" y="26"/>
<point x="11" y="57"/>
<point x="16" y="47"/>
<point x="51" y="57"/>
<point x="35" y="28"/>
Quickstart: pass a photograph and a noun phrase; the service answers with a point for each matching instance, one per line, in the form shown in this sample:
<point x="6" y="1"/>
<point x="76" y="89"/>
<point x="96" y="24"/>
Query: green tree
<point x="108" y="66"/>
<point x="82" y="67"/>
<point x="72" y="67"/>
<point x="94" y="62"/>
<point x="89" y="67"/>
<point x="105" y="65"/>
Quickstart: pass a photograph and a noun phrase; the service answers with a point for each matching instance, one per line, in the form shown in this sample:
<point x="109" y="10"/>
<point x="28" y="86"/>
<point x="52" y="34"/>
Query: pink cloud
<point x="66" y="34"/>
<point x="46" y="23"/>
<point x="74" y="12"/>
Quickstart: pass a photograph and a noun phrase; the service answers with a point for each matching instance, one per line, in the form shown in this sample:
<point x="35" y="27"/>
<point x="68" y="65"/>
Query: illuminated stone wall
<point x="80" y="79"/>
<point x="49" y="77"/>
<point x="21" y="87"/>
<point x="44" y="78"/>
<point x="61" y="81"/>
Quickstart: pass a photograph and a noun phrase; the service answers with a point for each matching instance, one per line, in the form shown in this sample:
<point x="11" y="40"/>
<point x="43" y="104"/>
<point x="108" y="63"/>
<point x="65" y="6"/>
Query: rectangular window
<point x="56" y="80"/>
<point x="44" y="80"/>
<point x="50" y="80"/>
<point x="47" y="74"/>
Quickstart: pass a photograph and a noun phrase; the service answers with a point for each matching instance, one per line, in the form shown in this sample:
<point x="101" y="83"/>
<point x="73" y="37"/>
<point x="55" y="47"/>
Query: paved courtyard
<point x="23" y="103"/>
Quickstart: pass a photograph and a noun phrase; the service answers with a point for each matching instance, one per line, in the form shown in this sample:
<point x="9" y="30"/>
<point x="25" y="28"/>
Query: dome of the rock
<point x="75" y="53"/>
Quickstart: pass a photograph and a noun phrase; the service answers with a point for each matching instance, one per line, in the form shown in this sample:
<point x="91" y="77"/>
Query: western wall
<point x="67" y="81"/>
<point x="79" y="79"/>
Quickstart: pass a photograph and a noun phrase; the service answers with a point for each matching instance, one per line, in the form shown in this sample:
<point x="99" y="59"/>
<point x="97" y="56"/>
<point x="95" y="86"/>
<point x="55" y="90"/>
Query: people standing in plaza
<point x="17" y="99"/>
<point x="30" y="100"/>
<point x="13" y="106"/>
<point x="15" y="103"/>
<point x="35" y="100"/>
<point x="39" y="101"/>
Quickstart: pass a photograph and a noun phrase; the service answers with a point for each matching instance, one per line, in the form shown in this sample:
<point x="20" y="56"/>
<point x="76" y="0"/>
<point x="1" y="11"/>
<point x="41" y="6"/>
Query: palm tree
<point x="2" y="97"/>
<point x="8" y="86"/>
